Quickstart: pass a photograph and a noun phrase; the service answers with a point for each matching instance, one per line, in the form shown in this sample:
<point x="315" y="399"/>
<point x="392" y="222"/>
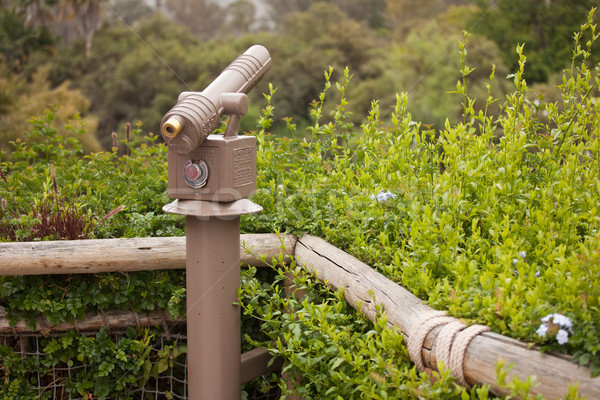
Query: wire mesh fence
<point x="57" y="381"/>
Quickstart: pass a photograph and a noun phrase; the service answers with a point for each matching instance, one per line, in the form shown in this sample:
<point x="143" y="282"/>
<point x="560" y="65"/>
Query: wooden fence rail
<point x="125" y="255"/>
<point x="363" y="287"/>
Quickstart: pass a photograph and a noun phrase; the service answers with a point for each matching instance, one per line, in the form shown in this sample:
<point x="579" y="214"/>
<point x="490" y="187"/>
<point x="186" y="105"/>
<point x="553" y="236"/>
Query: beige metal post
<point x="212" y="280"/>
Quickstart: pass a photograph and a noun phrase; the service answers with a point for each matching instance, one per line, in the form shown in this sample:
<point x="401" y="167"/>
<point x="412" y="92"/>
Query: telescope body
<point x="214" y="167"/>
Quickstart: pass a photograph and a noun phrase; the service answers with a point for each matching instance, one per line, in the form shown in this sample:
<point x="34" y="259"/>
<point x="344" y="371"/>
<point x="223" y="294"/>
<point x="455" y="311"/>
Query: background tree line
<point x="127" y="60"/>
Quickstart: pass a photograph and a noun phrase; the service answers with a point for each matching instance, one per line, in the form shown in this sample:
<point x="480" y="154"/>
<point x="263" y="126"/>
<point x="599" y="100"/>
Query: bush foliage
<point x="134" y="72"/>
<point x="494" y="218"/>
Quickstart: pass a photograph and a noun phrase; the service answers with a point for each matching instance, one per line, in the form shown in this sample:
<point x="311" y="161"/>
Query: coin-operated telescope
<point x="214" y="167"/>
<point x="211" y="178"/>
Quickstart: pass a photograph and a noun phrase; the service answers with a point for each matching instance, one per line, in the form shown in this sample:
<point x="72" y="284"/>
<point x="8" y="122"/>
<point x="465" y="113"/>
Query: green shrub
<point x="47" y="170"/>
<point x="50" y="189"/>
<point x="494" y="219"/>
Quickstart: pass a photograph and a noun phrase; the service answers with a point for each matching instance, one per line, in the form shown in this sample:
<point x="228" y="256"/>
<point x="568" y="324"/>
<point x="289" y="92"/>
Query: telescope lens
<point x="172" y="127"/>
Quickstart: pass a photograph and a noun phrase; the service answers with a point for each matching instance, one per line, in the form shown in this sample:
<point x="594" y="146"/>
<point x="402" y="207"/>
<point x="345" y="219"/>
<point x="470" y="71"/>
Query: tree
<point x="18" y="41"/>
<point x="241" y="16"/>
<point x="38" y="12"/>
<point x="62" y="17"/>
<point x="369" y="11"/>
<point x="310" y="42"/>
<point x="204" y="18"/>
<point x="126" y="82"/>
<point x="279" y="8"/>
<point x="402" y="16"/>
<point x="546" y="28"/>
<point x="86" y="13"/>
<point x="21" y="100"/>
<point x="128" y="11"/>
<point x="426" y="65"/>
<point x="34" y="12"/>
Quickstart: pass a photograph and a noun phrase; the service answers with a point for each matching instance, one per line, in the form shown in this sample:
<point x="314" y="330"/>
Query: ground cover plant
<point x="494" y="219"/>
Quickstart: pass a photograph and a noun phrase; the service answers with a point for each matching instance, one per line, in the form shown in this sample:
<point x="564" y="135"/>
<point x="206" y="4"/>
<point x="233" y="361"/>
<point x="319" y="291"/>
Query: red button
<point x="192" y="171"/>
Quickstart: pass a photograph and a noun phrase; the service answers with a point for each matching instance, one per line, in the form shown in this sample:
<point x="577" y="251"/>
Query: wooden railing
<point x="364" y="289"/>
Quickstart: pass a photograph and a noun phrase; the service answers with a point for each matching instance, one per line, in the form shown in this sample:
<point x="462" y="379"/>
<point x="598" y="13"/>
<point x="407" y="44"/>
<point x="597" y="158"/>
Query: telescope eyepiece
<point x="172" y="127"/>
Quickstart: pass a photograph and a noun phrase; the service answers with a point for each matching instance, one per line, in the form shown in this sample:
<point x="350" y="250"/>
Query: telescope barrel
<point x="196" y="114"/>
<point x="242" y="74"/>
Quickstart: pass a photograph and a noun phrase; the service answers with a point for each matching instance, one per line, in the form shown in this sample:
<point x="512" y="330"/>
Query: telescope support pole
<point x="213" y="321"/>
<point x="212" y="281"/>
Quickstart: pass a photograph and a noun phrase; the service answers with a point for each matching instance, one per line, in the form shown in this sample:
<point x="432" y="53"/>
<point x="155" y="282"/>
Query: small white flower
<point x="547" y="317"/>
<point x="542" y="330"/>
<point x="538" y="274"/>
<point x="564" y="324"/>
<point x="383" y="197"/>
<point x="562" y="336"/>
<point x="523" y="254"/>
<point x="515" y="261"/>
